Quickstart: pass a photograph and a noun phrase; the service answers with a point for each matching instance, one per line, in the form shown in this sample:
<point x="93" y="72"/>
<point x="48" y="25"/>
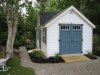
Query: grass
<point x="1" y="54"/>
<point x="16" y="68"/>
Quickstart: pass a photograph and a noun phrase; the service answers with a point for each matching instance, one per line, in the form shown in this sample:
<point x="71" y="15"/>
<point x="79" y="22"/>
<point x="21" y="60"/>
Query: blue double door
<point x="70" y="41"/>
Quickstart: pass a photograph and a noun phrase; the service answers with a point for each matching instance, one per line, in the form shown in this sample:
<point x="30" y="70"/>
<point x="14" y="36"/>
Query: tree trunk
<point x="8" y="45"/>
<point x="82" y="5"/>
<point x="12" y="29"/>
<point x="11" y="12"/>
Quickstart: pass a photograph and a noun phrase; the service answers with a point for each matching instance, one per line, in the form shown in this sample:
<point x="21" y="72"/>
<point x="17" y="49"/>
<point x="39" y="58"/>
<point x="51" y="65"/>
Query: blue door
<point x="70" y="38"/>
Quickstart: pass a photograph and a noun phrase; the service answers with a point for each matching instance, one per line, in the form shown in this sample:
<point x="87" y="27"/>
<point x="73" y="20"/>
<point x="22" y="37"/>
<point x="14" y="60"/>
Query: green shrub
<point x="39" y="53"/>
<point x="96" y="51"/>
<point x="96" y="40"/>
<point x="23" y="39"/>
<point x="30" y="46"/>
<point x="17" y="43"/>
<point x="3" y="38"/>
<point x="57" y="56"/>
<point x="96" y="44"/>
<point x="29" y="35"/>
<point x="91" y="56"/>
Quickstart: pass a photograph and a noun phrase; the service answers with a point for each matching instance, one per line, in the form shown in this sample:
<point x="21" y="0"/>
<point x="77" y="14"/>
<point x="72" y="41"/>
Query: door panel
<point x="76" y="38"/>
<point x="65" y="38"/>
<point x="70" y="38"/>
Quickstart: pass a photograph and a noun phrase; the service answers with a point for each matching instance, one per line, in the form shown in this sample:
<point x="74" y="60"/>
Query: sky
<point x="24" y="9"/>
<point x="33" y="1"/>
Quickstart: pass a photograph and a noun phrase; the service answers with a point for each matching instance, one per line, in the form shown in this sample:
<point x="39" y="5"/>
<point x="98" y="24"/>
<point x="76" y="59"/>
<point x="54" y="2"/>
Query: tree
<point x="41" y="5"/>
<point x="31" y="16"/>
<point x="93" y="13"/>
<point x="11" y="11"/>
<point x="3" y="28"/>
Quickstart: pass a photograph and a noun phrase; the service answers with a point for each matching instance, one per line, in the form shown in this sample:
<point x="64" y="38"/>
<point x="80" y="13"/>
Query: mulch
<point x="45" y="60"/>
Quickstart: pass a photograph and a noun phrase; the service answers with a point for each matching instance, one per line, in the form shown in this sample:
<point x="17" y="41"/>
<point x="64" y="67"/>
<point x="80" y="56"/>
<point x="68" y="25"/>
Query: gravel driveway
<point x="91" y="67"/>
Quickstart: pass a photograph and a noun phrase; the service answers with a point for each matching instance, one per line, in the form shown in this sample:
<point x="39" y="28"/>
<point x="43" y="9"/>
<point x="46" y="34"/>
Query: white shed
<point x="67" y="32"/>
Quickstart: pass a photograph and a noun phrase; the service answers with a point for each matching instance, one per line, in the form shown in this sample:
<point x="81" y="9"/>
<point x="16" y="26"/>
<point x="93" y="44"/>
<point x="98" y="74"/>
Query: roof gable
<point x="65" y="11"/>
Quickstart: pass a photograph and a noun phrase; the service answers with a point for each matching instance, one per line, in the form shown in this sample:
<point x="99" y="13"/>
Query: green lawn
<point x="1" y="54"/>
<point x="16" y="68"/>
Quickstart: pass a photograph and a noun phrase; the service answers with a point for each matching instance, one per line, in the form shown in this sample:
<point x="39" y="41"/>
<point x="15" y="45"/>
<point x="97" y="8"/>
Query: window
<point x="64" y="27"/>
<point x="44" y="35"/>
<point x="76" y="27"/>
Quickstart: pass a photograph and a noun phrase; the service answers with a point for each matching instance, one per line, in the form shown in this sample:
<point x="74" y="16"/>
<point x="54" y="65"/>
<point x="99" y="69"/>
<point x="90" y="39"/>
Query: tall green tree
<point x="30" y="20"/>
<point x="41" y="5"/>
<point x="63" y="4"/>
<point x="11" y="11"/>
<point x="31" y="16"/>
<point x="3" y="27"/>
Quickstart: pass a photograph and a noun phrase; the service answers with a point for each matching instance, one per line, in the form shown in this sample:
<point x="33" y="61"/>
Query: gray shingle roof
<point x="45" y="17"/>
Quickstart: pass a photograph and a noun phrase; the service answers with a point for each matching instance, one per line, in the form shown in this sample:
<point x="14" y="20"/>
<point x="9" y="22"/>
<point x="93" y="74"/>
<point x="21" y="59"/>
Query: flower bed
<point x="45" y="60"/>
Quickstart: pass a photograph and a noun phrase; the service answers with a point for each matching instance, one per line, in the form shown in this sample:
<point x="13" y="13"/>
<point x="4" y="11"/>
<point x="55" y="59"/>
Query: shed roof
<point x="45" y="17"/>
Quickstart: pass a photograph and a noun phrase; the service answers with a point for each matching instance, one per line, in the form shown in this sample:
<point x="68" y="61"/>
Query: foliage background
<point x="28" y="21"/>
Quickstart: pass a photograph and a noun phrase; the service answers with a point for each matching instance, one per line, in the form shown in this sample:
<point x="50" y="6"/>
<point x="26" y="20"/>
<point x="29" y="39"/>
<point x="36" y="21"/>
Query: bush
<point x="29" y="35"/>
<point x="3" y="38"/>
<point x="38" y="53"/>
<point x="91" y="56"/>
<point x="20" y="41"/>
<point x="96" y="51"/>
<point x="96" y="44"/>
<point x="23" y="39"/>
<point x="17" y="43"/>
<point x="30" y="44"/>
<point x="38" y="57"/>
<point x="96" y="40"/>
<point x="57" y="56"/>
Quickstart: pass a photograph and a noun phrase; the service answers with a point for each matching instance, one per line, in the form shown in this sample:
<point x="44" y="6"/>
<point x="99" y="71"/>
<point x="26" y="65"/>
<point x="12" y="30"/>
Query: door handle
<point x="82" y="39"/>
